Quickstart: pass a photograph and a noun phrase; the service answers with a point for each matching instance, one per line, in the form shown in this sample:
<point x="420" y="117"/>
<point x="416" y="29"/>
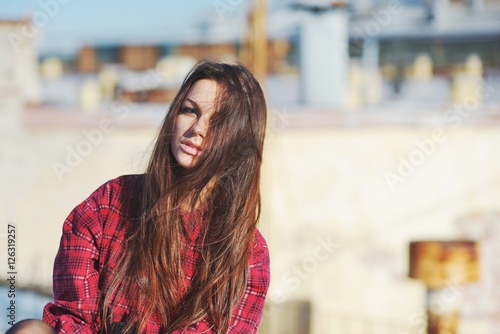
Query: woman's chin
<point x="186" y="162"/>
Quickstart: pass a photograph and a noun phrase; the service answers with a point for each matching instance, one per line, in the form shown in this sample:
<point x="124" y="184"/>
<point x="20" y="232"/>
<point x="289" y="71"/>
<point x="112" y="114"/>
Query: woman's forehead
<point x="203" y="92"/>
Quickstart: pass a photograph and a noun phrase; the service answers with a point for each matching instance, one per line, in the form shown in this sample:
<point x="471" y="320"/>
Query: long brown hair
<point x="154" y="248"/>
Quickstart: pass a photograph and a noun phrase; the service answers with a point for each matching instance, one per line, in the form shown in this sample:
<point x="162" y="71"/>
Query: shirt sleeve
<point x="76" y="273"/>
<point x="247" y="315"/>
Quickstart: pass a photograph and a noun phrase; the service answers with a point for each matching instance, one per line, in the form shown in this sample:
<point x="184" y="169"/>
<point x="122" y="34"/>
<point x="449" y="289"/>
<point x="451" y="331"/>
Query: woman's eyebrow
<point x="192" y="102"/>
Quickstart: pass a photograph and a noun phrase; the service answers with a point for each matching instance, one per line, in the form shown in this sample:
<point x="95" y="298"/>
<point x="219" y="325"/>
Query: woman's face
<point x="191" y="123"/>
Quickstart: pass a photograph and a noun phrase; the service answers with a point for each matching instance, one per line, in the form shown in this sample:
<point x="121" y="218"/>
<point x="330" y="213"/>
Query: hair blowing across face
<point x="230" y="166"/>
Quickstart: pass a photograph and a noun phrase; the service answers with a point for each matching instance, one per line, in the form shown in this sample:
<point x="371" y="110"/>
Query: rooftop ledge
<point x="128" y="116"/>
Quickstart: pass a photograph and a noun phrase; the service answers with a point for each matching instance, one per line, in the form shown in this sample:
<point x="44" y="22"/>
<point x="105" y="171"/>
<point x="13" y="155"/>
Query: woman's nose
<point x="200" y="127"/>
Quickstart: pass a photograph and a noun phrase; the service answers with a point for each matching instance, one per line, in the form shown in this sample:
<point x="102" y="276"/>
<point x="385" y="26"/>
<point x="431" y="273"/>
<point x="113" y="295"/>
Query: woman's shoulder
<point x="260" y="250"/>
<point x="115" y="192"/>
<point x="127" y="181"/>
<point x="260" y="271"/>
<point x="259" y="240"/>
<point x="108" y="206"/>
<point x="117" y="186"/>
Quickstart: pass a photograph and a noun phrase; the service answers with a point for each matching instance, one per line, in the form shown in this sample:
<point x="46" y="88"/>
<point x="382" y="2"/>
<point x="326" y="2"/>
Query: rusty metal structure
<point x="444" y="267"/>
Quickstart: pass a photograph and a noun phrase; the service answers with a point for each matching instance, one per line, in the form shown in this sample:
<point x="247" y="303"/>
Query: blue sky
<point x="76" y="21"/>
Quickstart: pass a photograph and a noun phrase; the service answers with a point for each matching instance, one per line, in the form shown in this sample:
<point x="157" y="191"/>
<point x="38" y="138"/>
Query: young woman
<point x="175" y="250"/>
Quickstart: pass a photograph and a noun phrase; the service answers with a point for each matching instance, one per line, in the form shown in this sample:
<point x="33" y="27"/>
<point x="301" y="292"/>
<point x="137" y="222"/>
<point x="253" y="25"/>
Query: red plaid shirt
<point x="92" y="238"/>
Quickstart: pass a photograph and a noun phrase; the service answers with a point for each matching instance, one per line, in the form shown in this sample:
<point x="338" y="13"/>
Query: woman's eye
<point x="187" y="110"/>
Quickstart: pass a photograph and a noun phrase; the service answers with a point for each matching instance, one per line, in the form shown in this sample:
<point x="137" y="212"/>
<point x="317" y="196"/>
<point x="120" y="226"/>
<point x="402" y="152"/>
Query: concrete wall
<point x="47" y="171"/>
<point x="339" y="232"/>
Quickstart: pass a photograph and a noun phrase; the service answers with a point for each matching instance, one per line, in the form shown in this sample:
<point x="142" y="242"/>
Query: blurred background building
<point x="383" y="130"/>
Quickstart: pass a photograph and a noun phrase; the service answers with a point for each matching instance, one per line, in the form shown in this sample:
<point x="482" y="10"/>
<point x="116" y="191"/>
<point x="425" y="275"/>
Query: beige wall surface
<point x="342" y="204"/>
<point x="46" y="172"/>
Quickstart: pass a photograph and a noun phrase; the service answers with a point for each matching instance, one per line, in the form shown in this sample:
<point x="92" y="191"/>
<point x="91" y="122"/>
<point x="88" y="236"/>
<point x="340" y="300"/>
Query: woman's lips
<point x="190" y="148"/>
